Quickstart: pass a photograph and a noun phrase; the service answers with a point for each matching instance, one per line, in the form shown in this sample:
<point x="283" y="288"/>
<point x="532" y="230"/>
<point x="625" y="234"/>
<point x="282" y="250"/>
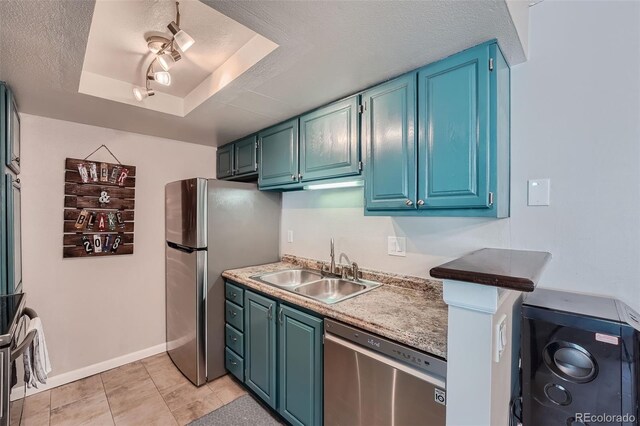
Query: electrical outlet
<point x="500" y="337"/>
<point x="397" y="246"/>
<point x="289" y="236"/>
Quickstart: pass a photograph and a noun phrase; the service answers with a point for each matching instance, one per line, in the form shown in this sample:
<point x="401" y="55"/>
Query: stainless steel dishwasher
<point x="369" y="380"/>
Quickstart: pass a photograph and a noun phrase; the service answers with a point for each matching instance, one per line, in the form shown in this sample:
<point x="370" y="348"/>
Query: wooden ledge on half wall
<point x="512" y="269"/>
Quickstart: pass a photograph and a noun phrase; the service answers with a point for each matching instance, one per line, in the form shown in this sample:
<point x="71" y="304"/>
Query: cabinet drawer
<point x="235" y="315"/>
<point x="234" y="294"/>
<point x="234" y="364"/>
<point x="234" y="340"/>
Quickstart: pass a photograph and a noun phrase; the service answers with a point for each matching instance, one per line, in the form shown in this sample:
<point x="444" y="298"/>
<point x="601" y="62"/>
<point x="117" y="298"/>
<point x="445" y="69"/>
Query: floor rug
<point x="244" y="411"/>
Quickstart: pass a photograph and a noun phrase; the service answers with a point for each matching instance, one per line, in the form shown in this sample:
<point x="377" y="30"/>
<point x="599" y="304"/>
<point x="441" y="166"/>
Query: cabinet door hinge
<point x="257" y="143"/>
<point x="360" y="165"/>
<point x="490" y="64"/>
<point x="490" y="198"/>
<point x="362" y="108"/>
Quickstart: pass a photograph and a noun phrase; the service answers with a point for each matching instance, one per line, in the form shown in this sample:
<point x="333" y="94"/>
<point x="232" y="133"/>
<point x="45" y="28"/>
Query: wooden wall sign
<point x="99" y="204"/>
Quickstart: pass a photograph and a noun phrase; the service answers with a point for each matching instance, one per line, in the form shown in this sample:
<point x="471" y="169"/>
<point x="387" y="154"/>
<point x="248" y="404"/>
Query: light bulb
<point x="162" y="77"/>
<point x="183" y="40"/>
<point x="166" y="61"/>
<point x="138" y="94"/>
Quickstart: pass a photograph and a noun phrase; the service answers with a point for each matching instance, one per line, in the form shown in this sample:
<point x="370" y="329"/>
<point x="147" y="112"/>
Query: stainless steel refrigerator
<point x="211" y="226"/>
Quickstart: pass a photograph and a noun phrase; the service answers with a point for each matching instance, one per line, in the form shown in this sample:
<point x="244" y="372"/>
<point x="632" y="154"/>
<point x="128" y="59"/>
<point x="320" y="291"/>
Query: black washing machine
<point x="579" y="360"/>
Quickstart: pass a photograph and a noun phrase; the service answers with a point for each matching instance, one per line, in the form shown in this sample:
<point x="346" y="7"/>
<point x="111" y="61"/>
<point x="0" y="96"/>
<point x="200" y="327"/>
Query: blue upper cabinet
<point x="260" y="346"/>
<point x="245" y="156"/>
<point x="224" y="161"/>
<point x="12" y="158"/>
<point x="238" y="160"/>
<point x="330" y="141"/>
<point x="463" y="125"/>
<point x="389" y="140"/>
<point x="300" y="372"/>
<point x="278" y="153"/>
<point x="454" y="131"/>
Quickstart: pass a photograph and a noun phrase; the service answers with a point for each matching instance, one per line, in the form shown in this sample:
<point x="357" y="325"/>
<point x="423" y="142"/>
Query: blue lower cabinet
<point x="234" y="315"/>
<point x="282" y="358"/>
<point x="234" y="364"/>
<point x="260" y="346"/>
<point x="234" y="294"/>
<point x="300" y="367"/>
<point x="234" y="339"/>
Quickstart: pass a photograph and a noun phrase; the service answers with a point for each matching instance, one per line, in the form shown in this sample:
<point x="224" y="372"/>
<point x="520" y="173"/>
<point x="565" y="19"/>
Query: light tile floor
<point x="150" y="391"/>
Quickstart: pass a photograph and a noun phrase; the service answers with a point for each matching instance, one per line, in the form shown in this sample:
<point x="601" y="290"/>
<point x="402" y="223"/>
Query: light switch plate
<point x="289" y="236"/>
<point x="539" y="192"/>
<point x="397" y="246"/>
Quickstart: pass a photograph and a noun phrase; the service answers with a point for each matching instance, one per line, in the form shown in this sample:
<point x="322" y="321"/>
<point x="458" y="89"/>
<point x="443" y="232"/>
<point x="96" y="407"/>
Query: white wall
<point x="98" y="309"/>
<point x="576" y="120"/>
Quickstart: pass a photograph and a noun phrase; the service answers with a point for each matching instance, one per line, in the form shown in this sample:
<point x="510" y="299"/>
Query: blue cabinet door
<point x="260" y="346"/>
<point x="278" y="153"/>
<point x="300" y="373"/>
<point x="13" y="240"/>
<point x="330" y="141"/>
<point x="245" y="156"/>
<point x="12" y="158"/>
<point x="224" y="161"/>
<point x="390" y="145"/>
<point x="453" y="140"/>
<point x="3" y="191"/>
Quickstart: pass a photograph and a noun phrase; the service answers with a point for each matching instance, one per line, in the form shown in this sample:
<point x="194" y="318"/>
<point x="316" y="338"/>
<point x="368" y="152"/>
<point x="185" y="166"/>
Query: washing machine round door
<point x="570" y="362"/>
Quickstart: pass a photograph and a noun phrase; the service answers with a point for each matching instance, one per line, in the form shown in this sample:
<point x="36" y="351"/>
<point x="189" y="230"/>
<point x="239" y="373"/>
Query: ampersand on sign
<point x="104" y="197"/>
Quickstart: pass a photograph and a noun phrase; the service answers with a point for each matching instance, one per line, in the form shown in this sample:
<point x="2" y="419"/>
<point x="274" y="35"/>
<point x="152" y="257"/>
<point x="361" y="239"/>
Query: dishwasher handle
<point x="433" y="379"/>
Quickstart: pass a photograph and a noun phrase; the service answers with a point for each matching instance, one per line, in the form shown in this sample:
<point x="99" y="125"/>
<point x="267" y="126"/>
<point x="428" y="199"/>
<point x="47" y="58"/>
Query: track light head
<point x="161" y="77"/>
<point x="168" y="59"/>
<point x="140" y="93"/>
<point x="182" y="39"/>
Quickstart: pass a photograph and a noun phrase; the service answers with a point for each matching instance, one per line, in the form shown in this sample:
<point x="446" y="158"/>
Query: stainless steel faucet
<point x="331" y="270"/>
<point x="332" y="266"/>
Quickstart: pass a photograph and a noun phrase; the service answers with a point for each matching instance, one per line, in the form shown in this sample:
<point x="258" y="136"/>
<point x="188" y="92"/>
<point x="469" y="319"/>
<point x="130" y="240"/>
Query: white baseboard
<point x="90" y="370"/>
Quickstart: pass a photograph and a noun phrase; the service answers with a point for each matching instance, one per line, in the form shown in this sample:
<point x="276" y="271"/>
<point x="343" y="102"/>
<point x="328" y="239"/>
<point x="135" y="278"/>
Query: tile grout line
<point x="158" y="390"/>
<point x="49" y="418"/>
<point x="113" y="419"/>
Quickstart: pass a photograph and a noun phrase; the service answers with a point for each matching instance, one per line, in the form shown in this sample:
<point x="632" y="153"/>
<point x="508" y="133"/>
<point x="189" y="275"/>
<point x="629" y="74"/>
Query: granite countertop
<point x="408" y="310"/>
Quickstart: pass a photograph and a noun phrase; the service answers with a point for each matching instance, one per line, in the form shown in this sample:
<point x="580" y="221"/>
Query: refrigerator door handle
<point x="181" y="248"/>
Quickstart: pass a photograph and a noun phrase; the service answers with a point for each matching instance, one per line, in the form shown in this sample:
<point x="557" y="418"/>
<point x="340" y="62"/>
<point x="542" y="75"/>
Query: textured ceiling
<point x="328" y="49"/>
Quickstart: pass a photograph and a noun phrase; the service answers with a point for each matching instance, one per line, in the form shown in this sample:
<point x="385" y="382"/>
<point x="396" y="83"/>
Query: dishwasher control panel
<point x="397" y="351"/>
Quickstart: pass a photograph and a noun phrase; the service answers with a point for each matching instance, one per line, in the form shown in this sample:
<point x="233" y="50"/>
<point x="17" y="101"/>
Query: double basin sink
<point x="313" y="285"/>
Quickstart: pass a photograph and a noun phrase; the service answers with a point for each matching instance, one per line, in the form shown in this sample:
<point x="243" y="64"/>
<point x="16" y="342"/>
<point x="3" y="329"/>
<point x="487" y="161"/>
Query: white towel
<point x="36" y="357"/>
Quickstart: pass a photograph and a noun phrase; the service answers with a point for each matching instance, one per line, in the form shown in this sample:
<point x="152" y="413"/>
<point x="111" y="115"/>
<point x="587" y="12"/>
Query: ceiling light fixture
<point x="166" y="54"/>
